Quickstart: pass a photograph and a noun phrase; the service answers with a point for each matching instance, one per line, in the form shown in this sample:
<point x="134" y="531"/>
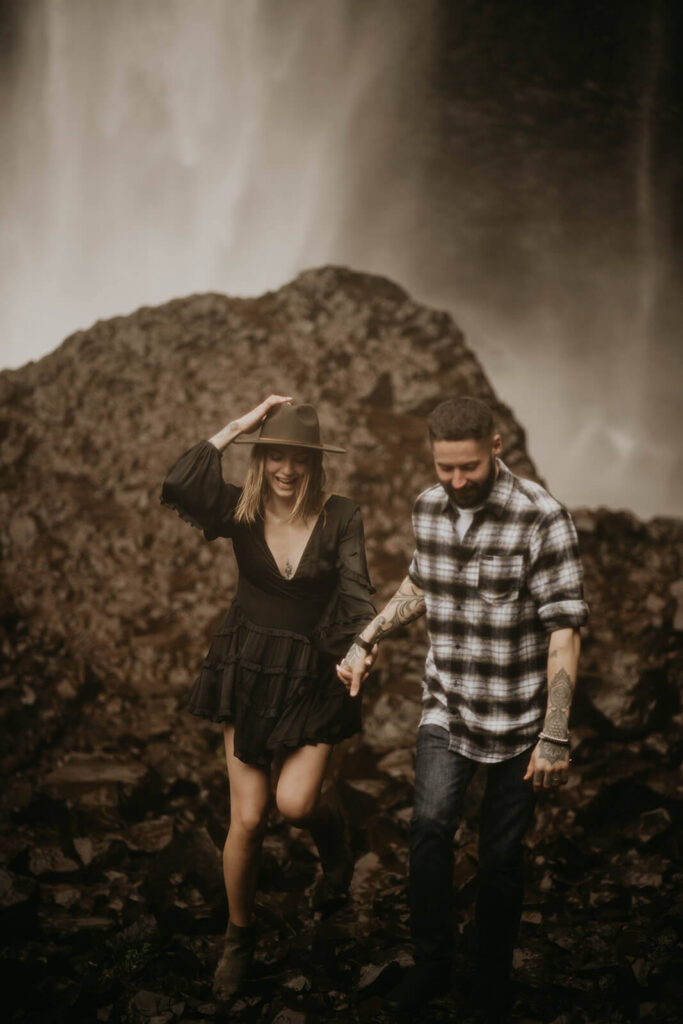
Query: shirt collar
<point x="497" y="499"/>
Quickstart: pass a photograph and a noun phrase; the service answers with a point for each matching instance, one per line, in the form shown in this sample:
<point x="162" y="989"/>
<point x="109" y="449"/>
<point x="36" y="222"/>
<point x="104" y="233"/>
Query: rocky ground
<point x="115" y="804"/>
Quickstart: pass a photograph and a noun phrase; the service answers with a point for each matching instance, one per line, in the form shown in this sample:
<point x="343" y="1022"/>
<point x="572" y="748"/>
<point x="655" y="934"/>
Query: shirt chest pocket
<point x="500" y="578"/>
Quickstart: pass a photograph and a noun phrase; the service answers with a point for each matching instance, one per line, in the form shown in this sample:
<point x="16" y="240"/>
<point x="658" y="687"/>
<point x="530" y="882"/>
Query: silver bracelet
<point x="553" y="739"/>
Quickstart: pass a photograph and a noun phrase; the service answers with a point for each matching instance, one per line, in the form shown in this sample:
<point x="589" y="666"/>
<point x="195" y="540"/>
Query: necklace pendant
<point x="289" y="571"/>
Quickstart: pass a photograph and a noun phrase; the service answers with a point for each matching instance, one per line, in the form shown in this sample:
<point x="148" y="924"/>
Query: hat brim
<point x="283" y="443"/>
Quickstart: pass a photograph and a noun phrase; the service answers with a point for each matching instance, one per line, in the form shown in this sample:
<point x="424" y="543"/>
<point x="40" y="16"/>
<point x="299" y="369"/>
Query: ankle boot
<point x="234" y="962"/>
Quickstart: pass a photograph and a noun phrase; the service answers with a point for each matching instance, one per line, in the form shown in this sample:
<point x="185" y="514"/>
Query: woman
<point x="269" y="676"/>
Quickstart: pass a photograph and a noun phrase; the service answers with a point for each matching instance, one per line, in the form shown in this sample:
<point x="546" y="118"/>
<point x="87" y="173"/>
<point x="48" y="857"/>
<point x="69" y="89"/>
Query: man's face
<point x="467" y="469"/>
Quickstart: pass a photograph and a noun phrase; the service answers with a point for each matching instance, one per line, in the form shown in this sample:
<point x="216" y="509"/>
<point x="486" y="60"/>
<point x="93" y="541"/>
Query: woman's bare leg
<point x="300" y="782"/>
<point x="298" y="799"/>
<point x="249" y="796"/>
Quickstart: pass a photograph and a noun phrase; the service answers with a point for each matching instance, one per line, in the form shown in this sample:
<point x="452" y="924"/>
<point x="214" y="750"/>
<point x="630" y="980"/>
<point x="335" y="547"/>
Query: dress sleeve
<point x="195" y="489"/>
<point x="351" y="607"/>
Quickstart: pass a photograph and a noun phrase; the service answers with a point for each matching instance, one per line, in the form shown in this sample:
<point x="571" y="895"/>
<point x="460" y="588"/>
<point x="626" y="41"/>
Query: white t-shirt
<point x="465" y="517"/>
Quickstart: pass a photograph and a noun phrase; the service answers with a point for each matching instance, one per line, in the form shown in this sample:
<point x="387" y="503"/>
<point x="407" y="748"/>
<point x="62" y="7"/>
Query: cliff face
<point x="108" y="603"/>
<point x="89" y="432"/>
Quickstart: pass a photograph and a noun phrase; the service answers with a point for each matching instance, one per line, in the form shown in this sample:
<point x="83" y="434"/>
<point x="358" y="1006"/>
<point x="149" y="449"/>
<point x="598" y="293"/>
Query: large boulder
<point x="103" y="584"/>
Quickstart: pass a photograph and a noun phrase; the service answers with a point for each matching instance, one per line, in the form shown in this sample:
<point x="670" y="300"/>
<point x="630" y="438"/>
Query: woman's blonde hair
<point x="309" y="498"/>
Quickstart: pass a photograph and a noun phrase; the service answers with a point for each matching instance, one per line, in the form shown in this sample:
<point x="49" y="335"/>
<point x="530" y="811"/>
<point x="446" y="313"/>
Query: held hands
<point x="354" y="667"/>
<point x="548" y="765"/>
<point x="251" y="420"/>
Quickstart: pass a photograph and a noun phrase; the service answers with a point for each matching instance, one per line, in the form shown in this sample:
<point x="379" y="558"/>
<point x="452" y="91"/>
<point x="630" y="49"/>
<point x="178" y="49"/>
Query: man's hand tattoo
<point x="552" y="752"/>
<point x="353" y="654"/>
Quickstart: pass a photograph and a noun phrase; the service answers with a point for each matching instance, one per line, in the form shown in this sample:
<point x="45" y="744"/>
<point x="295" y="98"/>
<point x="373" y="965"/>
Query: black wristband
<point x="367" y="645"/>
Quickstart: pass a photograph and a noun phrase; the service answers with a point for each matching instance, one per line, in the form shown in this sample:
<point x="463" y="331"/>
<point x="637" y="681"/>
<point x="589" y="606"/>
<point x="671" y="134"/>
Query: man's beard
<point x="472" y="495"/>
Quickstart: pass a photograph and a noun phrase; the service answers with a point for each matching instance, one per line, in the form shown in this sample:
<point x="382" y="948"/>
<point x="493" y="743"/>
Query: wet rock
<point x="653" y="823"/>
<point x="95" y="849"/>
<point x="150" y="836"/>
<point x="400" y="764"/>
<point x="185" y="884"/>
<point x="85" y="773"/>
<point x="366" y="871"/>
<point x="81" y="927"/>
<point x="50" y="860"/>
<point x="18" y="903"/>
<point x="288" y="1016"/>
<point x="299" y="984"/>
<point x="626" y="695"/>
<point x="143" y="930"/>
<point x="154" y="1007"/>
<point x="65" y="895"/>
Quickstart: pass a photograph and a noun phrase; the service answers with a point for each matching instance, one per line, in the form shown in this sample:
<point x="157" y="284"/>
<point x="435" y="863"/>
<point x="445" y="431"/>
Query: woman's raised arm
<point x="248" y="423"/>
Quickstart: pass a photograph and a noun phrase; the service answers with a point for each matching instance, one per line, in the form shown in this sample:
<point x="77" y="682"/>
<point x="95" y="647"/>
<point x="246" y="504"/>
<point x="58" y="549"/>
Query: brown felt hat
<point x="291" y="424"/>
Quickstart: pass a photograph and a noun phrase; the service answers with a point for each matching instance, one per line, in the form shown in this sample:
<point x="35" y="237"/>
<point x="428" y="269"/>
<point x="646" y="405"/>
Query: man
<point x="496" y="571"/>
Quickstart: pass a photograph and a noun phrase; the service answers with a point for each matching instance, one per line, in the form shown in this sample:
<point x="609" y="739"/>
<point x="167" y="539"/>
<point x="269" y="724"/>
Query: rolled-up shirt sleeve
<point x="414" y="571"/>
<point x="195" y="489"/>
<point x="555" y="576"/>
<point x="414" y="567"/>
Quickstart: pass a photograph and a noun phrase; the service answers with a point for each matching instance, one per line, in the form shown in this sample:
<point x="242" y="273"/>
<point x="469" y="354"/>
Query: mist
<point x="518" y="165"/>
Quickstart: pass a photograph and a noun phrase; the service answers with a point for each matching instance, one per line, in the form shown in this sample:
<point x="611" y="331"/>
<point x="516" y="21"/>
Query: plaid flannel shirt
<point x="492" y="600"/>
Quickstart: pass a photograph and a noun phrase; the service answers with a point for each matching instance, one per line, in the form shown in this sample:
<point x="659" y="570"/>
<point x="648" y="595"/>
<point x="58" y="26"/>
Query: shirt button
<point x="457" y="647"/>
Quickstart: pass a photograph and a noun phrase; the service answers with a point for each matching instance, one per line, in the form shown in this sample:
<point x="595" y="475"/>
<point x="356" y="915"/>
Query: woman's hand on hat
<point x="251" y="420"/>
<point x="248" y="423"/>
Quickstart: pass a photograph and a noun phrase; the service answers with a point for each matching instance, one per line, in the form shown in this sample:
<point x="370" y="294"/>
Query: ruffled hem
<point x="187" y="518"/>
<point x="275" y="686"/>
<point x="181" y="512"/>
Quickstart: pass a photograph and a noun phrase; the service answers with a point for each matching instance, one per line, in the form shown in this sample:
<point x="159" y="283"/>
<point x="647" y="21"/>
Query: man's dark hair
<point x="459" y="419"/>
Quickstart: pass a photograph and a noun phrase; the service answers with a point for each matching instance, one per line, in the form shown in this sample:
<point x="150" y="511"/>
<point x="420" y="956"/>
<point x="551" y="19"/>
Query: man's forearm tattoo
<point x="559" y="701"/>
<point x="405" y="606"/>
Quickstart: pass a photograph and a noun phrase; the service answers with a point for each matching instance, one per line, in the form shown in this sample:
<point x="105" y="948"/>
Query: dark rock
<point x="392" y="723"/>
<point x="382" y="395"/>
<point x="298" y="983"/>
<point x="85" y="775"/>
<point x="288" y="1016"/>
<point x="185" y="884"/>
<point x="18" y="903"/>
<point x="653" y="823"/>
<point x="154" y="1006"/>
<point x="150" y="836"/>
<point x="50" y="860"/>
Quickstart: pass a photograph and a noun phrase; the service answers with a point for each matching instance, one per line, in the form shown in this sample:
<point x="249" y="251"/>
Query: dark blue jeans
<point x="441" y="779"/>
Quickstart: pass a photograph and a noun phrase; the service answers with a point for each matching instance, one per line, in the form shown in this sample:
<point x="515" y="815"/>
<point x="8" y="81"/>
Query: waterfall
<point x="487" y="156"/>
<point x="196" y="145"/>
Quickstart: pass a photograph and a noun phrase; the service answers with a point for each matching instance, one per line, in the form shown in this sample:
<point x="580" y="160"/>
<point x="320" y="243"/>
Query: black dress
<point x="270" y="668"/>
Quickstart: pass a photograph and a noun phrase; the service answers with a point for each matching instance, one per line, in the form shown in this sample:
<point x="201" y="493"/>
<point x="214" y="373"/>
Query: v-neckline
<point x="288" y="579"/>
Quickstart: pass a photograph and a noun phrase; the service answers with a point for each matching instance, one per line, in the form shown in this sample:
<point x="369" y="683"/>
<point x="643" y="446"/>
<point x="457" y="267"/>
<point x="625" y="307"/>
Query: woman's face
<point x="285" y="468"/>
